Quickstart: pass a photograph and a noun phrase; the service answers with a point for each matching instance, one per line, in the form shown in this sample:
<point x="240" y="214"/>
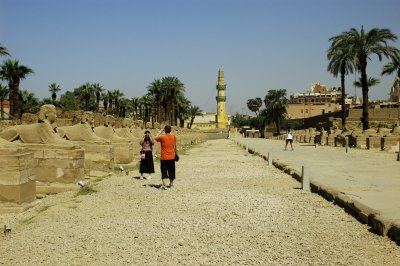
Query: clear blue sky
<point x="122" y="44"/>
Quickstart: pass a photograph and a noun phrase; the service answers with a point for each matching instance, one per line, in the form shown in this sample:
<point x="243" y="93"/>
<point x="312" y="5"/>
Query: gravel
<point x="228" y="207"/>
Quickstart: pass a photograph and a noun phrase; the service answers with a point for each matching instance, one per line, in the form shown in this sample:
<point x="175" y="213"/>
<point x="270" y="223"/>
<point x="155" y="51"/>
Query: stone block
<point x="123" y="153"/>
<point x="390" y="144"/>
<point x="373" y="143"/>
<point x="21" y="193"/>
<point x="330" y="141"/>
<point x="57" y="163"/>
<point x="17" y="182"/>
<point x="361" y="142"/>
<point x="99" y="158"/>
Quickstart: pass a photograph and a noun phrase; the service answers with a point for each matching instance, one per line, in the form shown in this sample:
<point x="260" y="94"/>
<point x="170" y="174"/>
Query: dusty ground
<point x="228" y="208"/>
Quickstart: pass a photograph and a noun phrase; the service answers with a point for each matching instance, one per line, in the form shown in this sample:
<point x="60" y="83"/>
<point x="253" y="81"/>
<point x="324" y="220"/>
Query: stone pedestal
<point x="56" y="165"/>
<point x="341" y="141"/>
<point x="123" y="153"/>
<point x="17" y="181"/>
<point x="374" y="143"/>
<point x="99" y="158"/>
<point x="330" y="141"/>
<point x="390" y="143"/>
<point x="361" y="142"/>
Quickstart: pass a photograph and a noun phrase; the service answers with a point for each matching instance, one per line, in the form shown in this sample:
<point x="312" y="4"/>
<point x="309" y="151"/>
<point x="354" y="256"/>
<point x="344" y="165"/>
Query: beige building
<point x="306" y="110"/>
<point x="6" y="108"/>
<point x="319" y="100"/>
<point x="205" y="121"/>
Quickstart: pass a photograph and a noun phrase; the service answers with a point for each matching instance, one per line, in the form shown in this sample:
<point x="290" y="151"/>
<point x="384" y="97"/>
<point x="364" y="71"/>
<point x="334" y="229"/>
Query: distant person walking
<point x="146" y="155"/>
<point x="168" y="150"/>
<point x="289" y="138"/>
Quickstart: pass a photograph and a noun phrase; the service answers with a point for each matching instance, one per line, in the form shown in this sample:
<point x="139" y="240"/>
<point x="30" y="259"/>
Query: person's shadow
<point x="157" y="186"/>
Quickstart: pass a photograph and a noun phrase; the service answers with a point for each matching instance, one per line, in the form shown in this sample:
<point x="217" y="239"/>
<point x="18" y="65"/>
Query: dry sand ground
<point x="228" y="208"/>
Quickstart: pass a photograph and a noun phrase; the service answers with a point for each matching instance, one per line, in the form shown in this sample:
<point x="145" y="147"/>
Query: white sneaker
<point x="163" y="187"/>
<point x="149" y="177"/>
<point x="141" y="178"/>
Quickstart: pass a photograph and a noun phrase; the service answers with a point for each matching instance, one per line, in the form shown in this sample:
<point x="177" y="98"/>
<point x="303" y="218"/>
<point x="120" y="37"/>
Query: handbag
<point x="142" y="155"/>
<point x="176" y="157"/>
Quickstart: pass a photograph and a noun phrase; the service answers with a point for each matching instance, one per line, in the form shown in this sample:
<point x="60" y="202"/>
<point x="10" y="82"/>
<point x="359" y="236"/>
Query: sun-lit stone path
<point x="228" y="208"/>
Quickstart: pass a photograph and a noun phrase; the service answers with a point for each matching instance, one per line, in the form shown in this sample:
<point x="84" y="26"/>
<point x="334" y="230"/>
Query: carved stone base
<point x="374" y="143"/>
<point x="11" y="207"/>
<point x="123" y="152"/>
<point x="17" y="181"/>
<point x="99" y="158"/>
<point x="54" y="188"/>
<point x="390" y="143"/>
<point x="57" y="163"/>
<point x="361" y="142"/>
<point x="24" y="192"/>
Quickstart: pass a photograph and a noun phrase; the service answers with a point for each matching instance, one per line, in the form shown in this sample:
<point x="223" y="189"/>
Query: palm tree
<point x="182" y="109"/>
<point x="124" y="106"/>
<point x="3" y="50"/>
<point x="194" y="111"/>
<point x="13" y="72"/>
<point x="54" y="88"/>
<point x="392" y="67"/>
<point x="117" y="95"/>
<point x="341" y="62"/>
<point x="97" y="88"/>
<point x="110" y="102"/>
<point x="3" y="95"/>
<point x="155" y="89"/>
<point x="29" y="102"/>
<point x="371" y="82"/>
<point x="104" y="96"/>
<point x="146" y="103"/>
<point x="275" y="104"/>
<point x="171" y="86"/>
<point x="361" y="46"/>
<point x="135" y="102"/>
<point x="86" y="92"/>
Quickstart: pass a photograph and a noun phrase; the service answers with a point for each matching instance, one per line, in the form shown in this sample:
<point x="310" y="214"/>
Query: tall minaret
<point x="222" y="117"/>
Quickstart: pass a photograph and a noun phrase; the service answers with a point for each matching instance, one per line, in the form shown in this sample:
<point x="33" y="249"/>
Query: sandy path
<point x="228" y="208"/>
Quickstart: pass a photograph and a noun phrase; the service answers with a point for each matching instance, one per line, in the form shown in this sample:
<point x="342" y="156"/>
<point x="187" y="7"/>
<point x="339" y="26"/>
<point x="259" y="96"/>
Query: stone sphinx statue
<point x="123" y="147"/>
<point x="57" y="163"/>
<point x="384" y="132"/>
<point x="396" y="130"/>
<point x="107" y="131"/>
<point x="38" y="133"/>
<point x="82" y="131"/>
<point x="6" y="144"/>
<point x="125" y="130"/>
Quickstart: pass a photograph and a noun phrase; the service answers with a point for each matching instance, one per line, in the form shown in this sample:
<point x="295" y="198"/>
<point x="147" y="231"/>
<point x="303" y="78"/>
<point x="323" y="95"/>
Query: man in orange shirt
<point x="168" y="149"/>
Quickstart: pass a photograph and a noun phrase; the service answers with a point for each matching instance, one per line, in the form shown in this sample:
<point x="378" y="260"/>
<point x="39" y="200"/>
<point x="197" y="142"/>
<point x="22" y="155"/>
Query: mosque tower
<point x="222" y="117"/>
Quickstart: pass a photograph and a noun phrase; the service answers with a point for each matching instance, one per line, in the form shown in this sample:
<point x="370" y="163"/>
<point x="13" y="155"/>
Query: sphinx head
<point x="47" y="113"/>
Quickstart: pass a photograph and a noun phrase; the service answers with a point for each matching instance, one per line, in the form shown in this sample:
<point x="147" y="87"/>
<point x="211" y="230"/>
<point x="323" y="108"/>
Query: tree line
<point x="275" y="111"/>
<point x="164" y="102"/>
